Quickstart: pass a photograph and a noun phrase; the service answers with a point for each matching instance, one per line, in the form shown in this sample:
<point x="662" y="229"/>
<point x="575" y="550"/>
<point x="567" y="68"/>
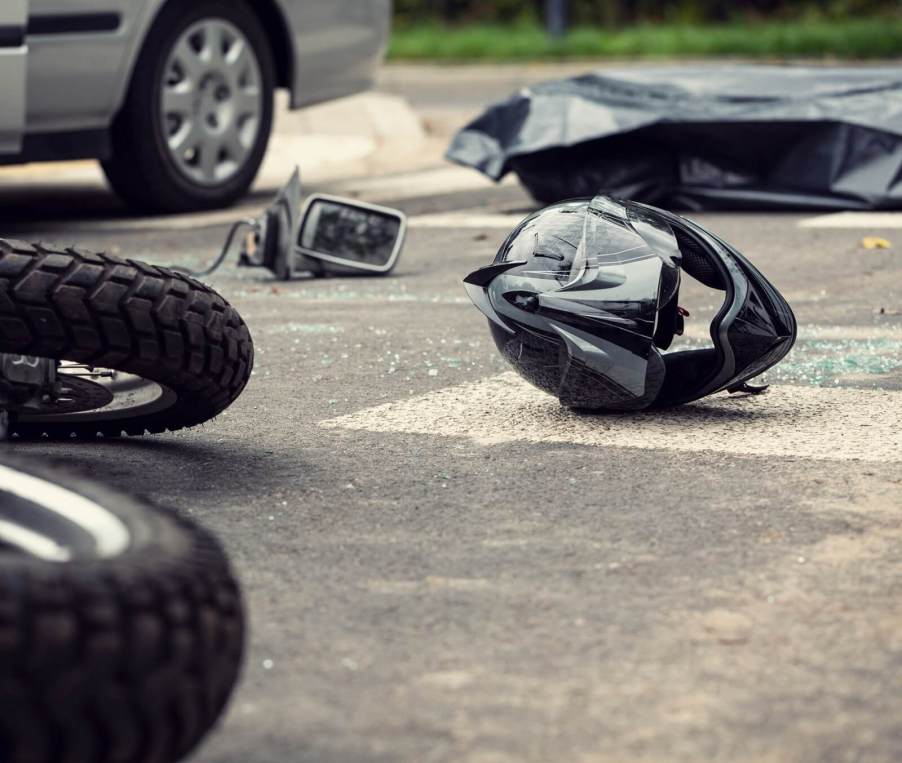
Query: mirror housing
<point x="330" y="236"/>
<point x="344" y="237"/>
<point x="271" y="243"/>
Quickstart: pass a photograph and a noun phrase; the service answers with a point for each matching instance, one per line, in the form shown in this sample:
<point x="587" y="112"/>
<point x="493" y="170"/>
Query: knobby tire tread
<point x="123" y="660"/>
<point x="69" y="304"/>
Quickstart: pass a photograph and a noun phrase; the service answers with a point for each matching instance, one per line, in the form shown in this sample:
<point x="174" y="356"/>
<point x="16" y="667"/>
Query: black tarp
<point x="702" y="137"/>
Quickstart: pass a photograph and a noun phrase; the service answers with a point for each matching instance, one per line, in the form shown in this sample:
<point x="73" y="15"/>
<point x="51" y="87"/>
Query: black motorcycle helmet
<point x="582" y="300"/>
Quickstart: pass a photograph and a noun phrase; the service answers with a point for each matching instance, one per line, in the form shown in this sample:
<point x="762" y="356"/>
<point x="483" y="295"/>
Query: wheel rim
<point x="96" y="395"/>
<point x="46" y="521"/>
<point x="211" y="102"/>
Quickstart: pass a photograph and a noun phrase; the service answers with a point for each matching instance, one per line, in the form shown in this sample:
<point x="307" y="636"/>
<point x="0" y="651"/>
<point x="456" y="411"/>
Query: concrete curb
<point x="339" y="138"/>
<point x="332" y="140"/>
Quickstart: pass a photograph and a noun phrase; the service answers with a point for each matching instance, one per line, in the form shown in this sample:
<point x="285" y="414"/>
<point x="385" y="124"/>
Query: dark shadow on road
<point x="144" y="465"/>
<point x="490" y="198"/>
<point x="22" y="206"/>
<point x="690" y="413"/>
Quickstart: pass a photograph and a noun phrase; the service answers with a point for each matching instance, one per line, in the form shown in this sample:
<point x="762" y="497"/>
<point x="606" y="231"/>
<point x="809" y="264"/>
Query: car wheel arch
<point x="268" y="12"/>
<point x="272" y="19"/>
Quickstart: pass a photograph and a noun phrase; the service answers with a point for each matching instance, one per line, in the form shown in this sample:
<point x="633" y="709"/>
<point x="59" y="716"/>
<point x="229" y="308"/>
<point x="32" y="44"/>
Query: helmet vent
<point x="696" y="263"/>
<point x="525" y="300"/>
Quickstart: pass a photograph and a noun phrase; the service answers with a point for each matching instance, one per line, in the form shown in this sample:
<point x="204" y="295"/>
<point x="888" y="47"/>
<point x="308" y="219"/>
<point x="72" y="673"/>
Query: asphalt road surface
<point x="440" y="565"/>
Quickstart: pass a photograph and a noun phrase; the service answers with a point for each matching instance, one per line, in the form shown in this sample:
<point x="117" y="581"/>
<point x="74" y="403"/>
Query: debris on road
<point x="750" y="137"/>
<point x="327" y="236"/>
<point x="875" y="242"/>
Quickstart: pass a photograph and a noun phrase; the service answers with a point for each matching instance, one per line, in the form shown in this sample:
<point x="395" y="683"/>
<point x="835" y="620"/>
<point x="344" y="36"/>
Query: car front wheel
<point x="198" y="116"/>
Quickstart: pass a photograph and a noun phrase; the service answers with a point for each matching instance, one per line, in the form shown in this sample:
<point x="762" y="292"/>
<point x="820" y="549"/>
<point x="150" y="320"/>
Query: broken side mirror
<point x="330" y="236"/>
<point x="344" y="237"/>
<point x="270" y="241"/>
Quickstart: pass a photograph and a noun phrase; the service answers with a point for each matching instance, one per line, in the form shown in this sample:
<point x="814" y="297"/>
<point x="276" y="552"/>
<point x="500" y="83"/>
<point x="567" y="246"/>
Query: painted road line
<point x="475" y="218"/>
<point x="189" y="221"/>
<point x="868" y="220"/>
<point x="816" y="332"/>
<point x="411" y="185"/>
<point x="150" y="224"/>
<point x="788" y="421"/>
<point x="466" y="220"/>
<point x="398" y="187"/>
<point x="830" y="356"/>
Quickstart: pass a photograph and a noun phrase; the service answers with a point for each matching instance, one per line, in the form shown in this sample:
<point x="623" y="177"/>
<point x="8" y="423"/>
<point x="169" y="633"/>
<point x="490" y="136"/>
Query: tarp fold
<point x="771" y="137"/>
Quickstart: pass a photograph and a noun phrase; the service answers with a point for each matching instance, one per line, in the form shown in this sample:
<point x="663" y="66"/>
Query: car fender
<point x="143" y="13"/>
<point x="140" y="15"/>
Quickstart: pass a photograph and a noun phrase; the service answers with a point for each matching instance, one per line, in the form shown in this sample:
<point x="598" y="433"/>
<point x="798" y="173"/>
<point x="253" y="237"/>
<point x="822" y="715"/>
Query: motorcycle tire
<point x="121" y="625"/>
<point x="178" y="353"/>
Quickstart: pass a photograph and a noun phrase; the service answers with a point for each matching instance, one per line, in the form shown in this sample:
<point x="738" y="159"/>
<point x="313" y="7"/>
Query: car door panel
<point x="13" y="59"/>
<point x="338" y="45"/>
<point x="80" y="56"/>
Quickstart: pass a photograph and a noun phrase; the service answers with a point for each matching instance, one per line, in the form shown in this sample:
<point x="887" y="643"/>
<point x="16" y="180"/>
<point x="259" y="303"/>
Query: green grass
<point x="852" y="39"/>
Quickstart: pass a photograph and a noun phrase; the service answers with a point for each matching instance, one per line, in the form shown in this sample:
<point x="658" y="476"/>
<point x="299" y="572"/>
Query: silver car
<point x="175" y="97"/>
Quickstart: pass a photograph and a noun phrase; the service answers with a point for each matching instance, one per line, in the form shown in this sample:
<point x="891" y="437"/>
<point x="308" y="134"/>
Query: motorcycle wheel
<point x="121" y="626"/>
<point x="146" y="349"/>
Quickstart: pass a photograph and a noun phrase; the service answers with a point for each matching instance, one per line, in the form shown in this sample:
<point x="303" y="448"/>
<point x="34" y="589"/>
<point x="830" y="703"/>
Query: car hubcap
<point x="212" y="102"/>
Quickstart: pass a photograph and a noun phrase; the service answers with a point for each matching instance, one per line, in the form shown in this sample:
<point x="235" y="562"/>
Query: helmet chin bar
<point x="751" y="301"/>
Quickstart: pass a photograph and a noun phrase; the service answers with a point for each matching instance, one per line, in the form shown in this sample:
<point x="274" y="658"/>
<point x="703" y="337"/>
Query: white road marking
<point x="869" y="220"/>
<point x="403" y="186"/>
<point x="472" y="219"/>
<point x="817" y="332"/>
<point x="787" y="421"/>
<point x="398" y="188"/>
<point x="411" y="185"/>
<point x="475" y="218"/>
<point x="170" y="222"/>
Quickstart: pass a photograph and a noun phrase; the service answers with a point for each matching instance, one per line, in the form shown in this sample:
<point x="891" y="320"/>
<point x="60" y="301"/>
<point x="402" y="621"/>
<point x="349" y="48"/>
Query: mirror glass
<point x="350" y="232"/>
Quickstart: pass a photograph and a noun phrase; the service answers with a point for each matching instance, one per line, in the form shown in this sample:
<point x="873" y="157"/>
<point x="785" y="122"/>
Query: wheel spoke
<point x="209" y="159"/>
<point x="214" y="42"/>
<point x="191" y="64"/>
<point x="238" y="63"/>
<point x="233" y="146"/>
<point x="248" y="102"/>
<point x="188" y="137"/>
<point x="178" y="99"/>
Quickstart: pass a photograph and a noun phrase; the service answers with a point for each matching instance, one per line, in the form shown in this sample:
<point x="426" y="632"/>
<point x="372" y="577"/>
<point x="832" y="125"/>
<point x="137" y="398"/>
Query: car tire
<point x="144" y="169"/>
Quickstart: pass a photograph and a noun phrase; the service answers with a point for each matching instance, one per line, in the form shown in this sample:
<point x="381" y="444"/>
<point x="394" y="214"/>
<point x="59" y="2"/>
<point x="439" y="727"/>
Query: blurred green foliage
<point x="866" y="38"/>
<point x="616" y="13"/>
